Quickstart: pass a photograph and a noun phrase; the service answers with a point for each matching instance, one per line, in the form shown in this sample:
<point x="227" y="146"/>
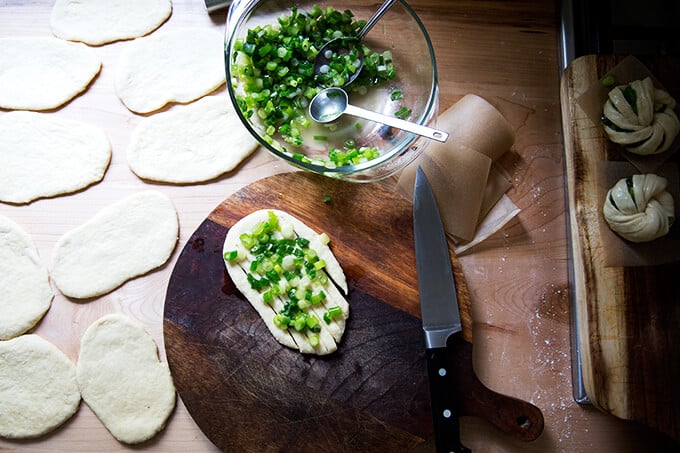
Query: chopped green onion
<point x="396" y="95"/>
<point x="231" y="255"/>
<point x="608" y="80"/>
<point x="326" y="198"/>
<point x="313" y="340"/>
<point x="332" y="313"/>
<point x="403" y="113"/>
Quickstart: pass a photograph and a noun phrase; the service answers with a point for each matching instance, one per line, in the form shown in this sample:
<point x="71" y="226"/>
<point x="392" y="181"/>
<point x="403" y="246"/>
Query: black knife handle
<point x="445" y="410"/>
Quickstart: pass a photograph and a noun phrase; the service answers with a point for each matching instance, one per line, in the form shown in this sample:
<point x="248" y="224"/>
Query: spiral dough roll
<point x="641" y="117"/>
<point x="639" y="208"/>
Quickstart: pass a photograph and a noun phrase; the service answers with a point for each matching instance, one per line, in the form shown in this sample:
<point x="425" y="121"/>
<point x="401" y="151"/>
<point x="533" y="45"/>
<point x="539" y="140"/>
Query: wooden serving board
<point x="626" y="317"/>
<point x="247" y="392"/>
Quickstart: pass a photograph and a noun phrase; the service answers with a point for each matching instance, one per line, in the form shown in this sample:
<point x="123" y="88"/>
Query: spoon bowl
<point x="347" y="48"/>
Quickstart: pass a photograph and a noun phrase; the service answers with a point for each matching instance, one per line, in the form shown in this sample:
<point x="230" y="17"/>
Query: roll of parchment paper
<point x="460" y="169"/>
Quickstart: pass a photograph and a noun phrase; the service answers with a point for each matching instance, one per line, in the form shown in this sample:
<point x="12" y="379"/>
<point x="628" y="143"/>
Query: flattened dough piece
<point x="177" y="66"/>
<point x="99" y="22"/>
<point x="122" y="379"/>
<point x="38" y="387"/>
<point x="41" y="73"/>
<point x="122" y="241"/>
<point x="290" y="228"/>
<point x="43" y="155"/>
<point x="25" y="292"/>
<point x="197" y="142"/>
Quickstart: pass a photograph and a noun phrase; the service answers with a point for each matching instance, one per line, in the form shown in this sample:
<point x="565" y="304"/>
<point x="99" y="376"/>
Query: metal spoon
<point x="343" y="44"/>
<point x="330" y="103"/>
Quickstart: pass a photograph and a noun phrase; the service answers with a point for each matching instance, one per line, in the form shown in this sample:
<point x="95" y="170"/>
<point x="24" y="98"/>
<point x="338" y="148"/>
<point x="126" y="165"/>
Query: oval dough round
<point x="43" y="155"/>
<point x="639" y="208"/>
<point x="122" y="379"/>
<point x="38" y="387"/>
<point x="25" y="289"/>
<point x="122" y="241"/>
<point x="330" y="334"/>
<point x="42" y="73"/>
<point x="177" y="66"/>
<point x="194" y="143"/>
<point x="647" y="125"/>
<point x="99" y="22"/>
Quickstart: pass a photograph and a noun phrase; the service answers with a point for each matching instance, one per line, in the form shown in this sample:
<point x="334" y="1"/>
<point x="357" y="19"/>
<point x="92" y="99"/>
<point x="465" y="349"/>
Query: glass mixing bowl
<point x="413" y="90"/>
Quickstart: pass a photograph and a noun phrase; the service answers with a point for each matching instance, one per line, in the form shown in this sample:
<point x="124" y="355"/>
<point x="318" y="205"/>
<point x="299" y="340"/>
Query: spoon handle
<point x="425" y="131"/>
<point x="375" y="18"/>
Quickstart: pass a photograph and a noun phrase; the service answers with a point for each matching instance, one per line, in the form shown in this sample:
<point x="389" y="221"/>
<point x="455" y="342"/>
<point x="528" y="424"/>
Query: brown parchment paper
<point x="460" y="171"/>
<point x="593" y="99"/>
<point x="618" y="252"/>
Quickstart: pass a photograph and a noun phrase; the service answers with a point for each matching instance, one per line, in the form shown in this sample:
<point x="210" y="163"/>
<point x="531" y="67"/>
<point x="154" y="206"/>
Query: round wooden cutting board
<point x="246" y="391"/>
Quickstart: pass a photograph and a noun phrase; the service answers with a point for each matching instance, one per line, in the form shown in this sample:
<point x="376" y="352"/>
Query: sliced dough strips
<point x="122" y="379"/>
<point x="288" y="285"/>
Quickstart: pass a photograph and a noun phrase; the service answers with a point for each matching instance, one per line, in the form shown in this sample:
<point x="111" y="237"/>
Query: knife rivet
<point x="447" y="413"/>
<point x="442" y="371"/>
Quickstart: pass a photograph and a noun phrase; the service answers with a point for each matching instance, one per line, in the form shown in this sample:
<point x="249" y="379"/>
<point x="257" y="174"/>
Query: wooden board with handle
<point x="247" y="392"/>
<point x="627" y="317"/>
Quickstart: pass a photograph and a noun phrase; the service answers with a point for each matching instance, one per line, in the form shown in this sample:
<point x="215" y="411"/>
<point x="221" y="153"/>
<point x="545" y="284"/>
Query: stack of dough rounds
<point x="122" y="379"/>
<point x="24" y="281"/>
<point x="177" y="66"/>
<point x="194" y="143"/>
<point x="639" y="208"/>
<point x="102" y="21"/>
<point x="43" y="155"/>
<point x="38" y="387"/>
<point x="39" y="73"/>
<point x="122" y="241"/>
<point x="643" y="123"/>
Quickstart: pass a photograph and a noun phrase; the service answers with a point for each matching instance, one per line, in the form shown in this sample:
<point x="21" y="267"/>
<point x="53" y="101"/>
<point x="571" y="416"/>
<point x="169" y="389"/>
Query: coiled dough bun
<point x="641" y="117"/>
<point x="639" y="208"/>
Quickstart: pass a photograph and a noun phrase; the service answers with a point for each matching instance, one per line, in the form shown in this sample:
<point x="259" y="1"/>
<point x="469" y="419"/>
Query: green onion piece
<point x="313" y="340"/>
<point x="321" y="138"/>
<point x="396" y="95"/>
<point x="268" y="297"/>
<point x="608" y="81"/>
<point x="332" y="313"/>
<point x="326" y="198"/>
<point x="403" y="113"/>
<point x="281" y="321"/>
<point x="231" y="255"/>
<point x="324" y="239"/>
<point x="319" y="265"/>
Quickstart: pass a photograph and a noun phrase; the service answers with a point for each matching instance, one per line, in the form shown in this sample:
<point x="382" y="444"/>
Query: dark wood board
<point x="627" y="317"/>
<point x="249" y="393"/>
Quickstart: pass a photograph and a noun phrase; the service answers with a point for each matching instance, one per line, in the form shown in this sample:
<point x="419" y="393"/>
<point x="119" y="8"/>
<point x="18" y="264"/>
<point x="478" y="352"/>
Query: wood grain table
<point x="504" y="51"/>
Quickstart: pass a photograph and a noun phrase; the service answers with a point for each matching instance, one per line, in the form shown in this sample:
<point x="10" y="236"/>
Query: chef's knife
<point x="454" y="388"/>
<point x="440" y="314"/>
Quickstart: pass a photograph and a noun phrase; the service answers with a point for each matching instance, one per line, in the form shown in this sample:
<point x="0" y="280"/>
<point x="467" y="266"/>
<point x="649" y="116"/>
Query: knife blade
<point x="455" y="389"/>
<point x="439" y="310"/>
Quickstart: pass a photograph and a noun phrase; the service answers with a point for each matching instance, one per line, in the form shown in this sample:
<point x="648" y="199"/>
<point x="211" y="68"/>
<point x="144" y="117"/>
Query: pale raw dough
<point x="330" y="334"/>
<point x="197" y="142"/>
<point x="122" y="241"/>
<point x="176" y="66"/>
<point x="38" y="387"/>
<point x="122" y="380"/>
<point x="25" y="292"/>
<point x="41" y="73"/>
<point x="103" y="21"/>
<point x="639" y="208"/>
<point x="646" y="126"/>
<point x="43" y="155"/>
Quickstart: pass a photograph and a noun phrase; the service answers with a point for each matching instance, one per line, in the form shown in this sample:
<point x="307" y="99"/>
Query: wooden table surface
<point x="505" y="51"/>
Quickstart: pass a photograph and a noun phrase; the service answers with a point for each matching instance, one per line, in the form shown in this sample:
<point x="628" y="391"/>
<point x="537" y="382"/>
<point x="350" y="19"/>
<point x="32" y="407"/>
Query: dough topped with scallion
<point x="289" y="275"/>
